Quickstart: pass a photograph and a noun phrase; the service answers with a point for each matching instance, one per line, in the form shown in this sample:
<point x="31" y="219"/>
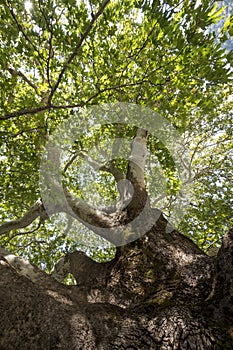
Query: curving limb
<point x="36" y="211"/>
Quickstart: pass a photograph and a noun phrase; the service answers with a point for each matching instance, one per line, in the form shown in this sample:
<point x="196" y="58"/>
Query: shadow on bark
<point x="160" y="292"/>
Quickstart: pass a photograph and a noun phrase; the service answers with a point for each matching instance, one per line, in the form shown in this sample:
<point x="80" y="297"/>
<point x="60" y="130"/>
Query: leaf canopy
<point x="61" y="55"/>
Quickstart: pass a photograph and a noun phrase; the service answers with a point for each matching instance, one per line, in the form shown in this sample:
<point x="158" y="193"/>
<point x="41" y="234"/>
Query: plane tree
<point x="116" y="136"/>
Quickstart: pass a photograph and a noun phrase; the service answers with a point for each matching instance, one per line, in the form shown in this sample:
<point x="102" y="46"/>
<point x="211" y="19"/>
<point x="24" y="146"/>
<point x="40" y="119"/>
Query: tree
<point x="64" y="64"/>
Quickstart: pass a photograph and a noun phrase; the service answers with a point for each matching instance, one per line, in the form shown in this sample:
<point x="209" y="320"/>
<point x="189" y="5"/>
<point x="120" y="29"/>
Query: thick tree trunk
<point x="160" y="292"/>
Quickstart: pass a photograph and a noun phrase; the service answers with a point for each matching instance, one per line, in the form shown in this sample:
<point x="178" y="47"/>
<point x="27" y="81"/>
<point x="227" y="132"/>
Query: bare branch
<point x="137" y="158"/>
<point x="109" y="167"/>
<point x="86" y="213"/>
<point x="23" y="233"/>
<point x="103" y="224"/>
<point x="22" y="266"/>
<point x="135" y="173"/>
<point x="93" y="163"/>
<point x="71" y="160"/>
<point x="37" y="210"/>
<point x="112" y="169"/>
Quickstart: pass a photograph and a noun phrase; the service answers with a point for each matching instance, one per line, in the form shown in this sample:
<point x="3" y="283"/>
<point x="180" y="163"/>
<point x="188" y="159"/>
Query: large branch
<point x="135" y="173"/>
<point x="91" y="217"/>
<point x="109" y="167"/>
<point x="222" y="295"/>
<point x="137" y="159"/>
<point x="112" y="169"/>
<point x="106" y="225"/>
<point x="86" y="213"/>
<point x="103" y="224"/>
<point x="87" y="272"/>
<point x="37" y="210"/>
<point x="22" y="266"/>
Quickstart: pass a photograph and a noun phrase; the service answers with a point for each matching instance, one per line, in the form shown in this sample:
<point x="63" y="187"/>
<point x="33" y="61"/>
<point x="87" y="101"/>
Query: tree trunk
<point x="159" y="292"/>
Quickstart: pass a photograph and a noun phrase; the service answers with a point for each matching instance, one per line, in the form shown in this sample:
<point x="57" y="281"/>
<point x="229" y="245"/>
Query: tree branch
<point x="15" y="73"/>
<point x="137" y="158"/>
<point x="37" y="210"/>
<point x="25" y="112"/>
<point x="100" y="222"/>
<point x="22" y="266"/>
<point x="222" y="294"/>
<point x="47" y="106"/>
<point x="87" y="272"/>
<point x="86" y="213"/>
<point x="76" y="49"/>
<point x="50" y="45"/>
<point x="110" y="167"/>
<point x="21" y="29"/>
<point x="103" y="224"/>
<point x="135" y="173"/>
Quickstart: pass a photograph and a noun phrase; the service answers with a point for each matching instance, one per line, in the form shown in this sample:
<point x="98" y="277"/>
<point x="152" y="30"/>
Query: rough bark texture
<point x="160" y="292"/>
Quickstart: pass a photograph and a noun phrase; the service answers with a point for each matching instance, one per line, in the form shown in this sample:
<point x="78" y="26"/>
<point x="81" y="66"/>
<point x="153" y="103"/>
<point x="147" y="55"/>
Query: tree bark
<point x="159" y="292"/>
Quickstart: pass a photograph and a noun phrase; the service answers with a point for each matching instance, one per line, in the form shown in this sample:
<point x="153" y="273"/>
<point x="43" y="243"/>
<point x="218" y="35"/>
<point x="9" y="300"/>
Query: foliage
<point x="224" y="28"/>
<point x="59" y="55"/>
